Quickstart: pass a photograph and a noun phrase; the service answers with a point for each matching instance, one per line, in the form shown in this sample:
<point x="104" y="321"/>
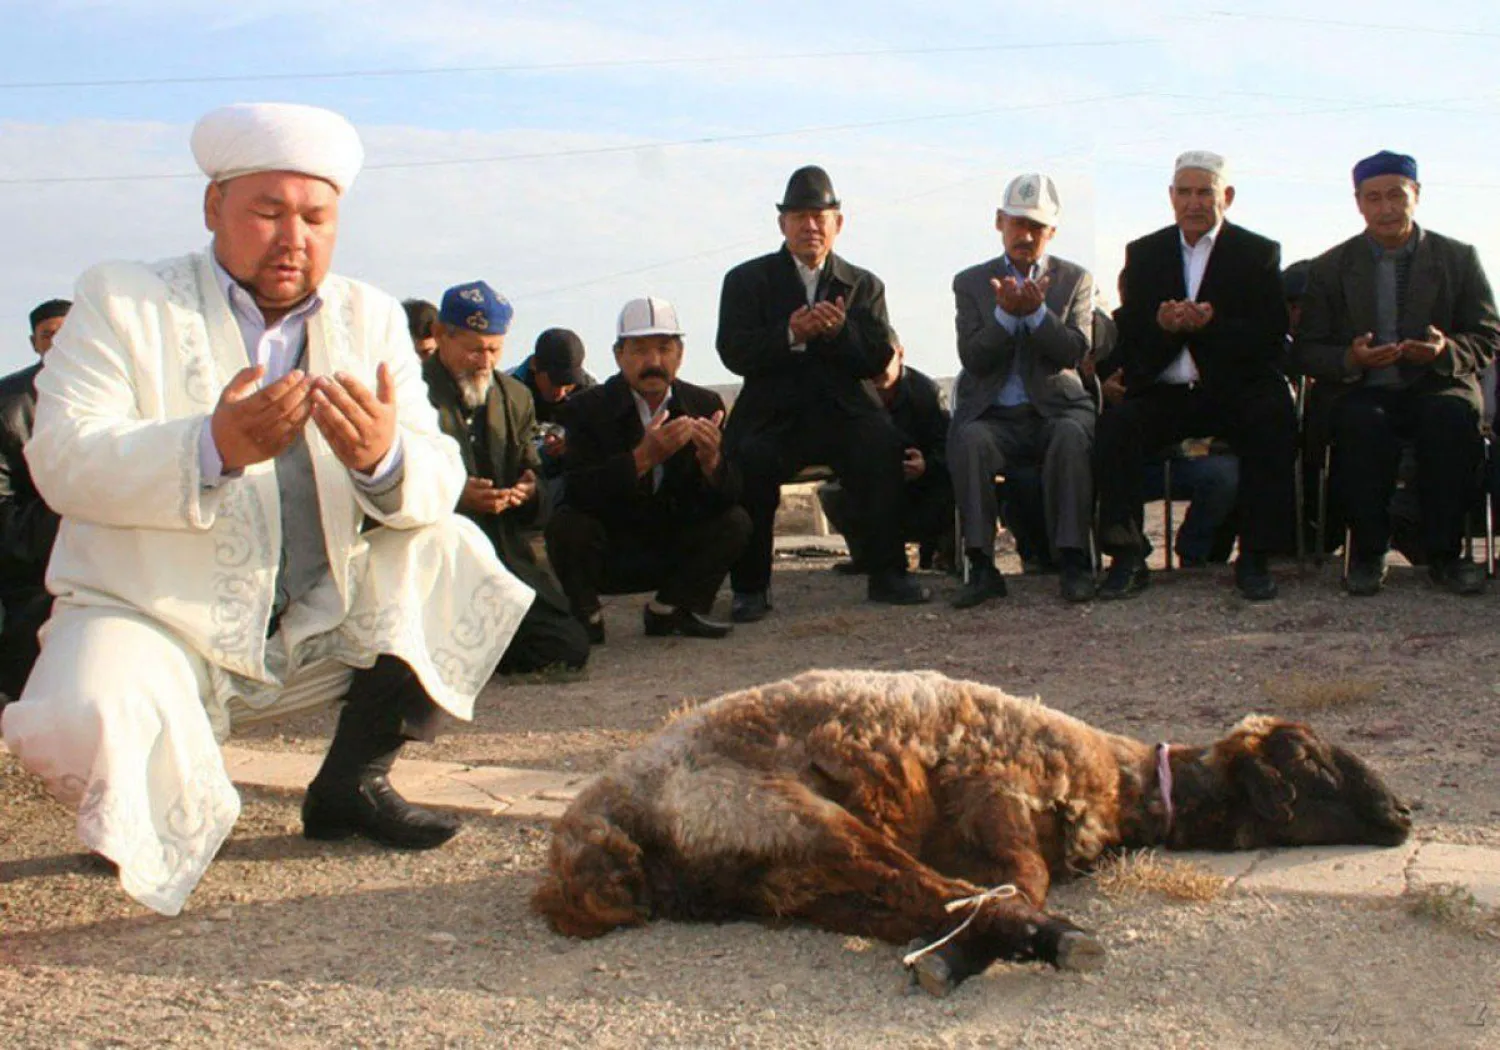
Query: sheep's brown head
<point x="1290" y="788"/>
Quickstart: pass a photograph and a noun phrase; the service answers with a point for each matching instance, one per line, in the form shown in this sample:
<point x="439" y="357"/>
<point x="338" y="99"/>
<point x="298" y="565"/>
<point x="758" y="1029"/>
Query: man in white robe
<point x="257" y="516"/>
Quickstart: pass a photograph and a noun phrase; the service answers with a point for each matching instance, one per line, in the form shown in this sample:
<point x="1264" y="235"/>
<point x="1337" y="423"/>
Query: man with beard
<point x="491" y="416"/>
<point x="257" y="517"/>
<point x="28" y="527"/>
<point x="806" y="330"/>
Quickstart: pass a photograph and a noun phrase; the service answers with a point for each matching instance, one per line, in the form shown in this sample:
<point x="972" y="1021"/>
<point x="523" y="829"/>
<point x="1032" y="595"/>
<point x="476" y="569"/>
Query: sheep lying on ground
<point x="866" y="803"/>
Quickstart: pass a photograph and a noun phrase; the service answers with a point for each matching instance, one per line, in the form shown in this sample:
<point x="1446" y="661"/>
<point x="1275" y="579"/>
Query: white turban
<point x="277" y="136"/>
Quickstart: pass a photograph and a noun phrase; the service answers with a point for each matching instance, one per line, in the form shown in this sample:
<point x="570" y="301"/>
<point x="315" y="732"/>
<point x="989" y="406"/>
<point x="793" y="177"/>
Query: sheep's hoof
<point x="1080" y="951"/>
<point x="933" y="975"/>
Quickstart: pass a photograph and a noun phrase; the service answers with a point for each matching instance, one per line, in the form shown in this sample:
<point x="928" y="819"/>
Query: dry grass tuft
<point x="1454" y="907"/>
<point x="836" y="624"/>
<point x="1146" y="871"/>
<point x="1310" y="694"/>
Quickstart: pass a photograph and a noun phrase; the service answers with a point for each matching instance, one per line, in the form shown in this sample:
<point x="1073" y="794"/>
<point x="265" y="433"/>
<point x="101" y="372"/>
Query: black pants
<point x="865" y="451"/>
<point x="685" y="562"/>
<point x="926" y="515"/>
<point x="548" y="636"/>
<point x="1256" y="419"/>
<point x="1369" y="428"/>
<point x="26" y="610"/>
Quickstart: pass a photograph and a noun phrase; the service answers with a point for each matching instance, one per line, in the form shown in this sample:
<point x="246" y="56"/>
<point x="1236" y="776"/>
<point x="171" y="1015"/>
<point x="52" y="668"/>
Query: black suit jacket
<point x="1246" y="339"/>
<point x="604" y="428"/>
<point x="917" y="411"/>
<point x="755" y="307"/>
<point x="28" y="526"/>
<point x="1446" y="287"/>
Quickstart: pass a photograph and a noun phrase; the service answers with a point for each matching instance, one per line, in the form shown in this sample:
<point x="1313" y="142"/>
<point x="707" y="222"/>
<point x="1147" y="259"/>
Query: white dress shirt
<point x="810" y="276"/>
<point x="1184" y="370"/>
<point x="643" y="410"/>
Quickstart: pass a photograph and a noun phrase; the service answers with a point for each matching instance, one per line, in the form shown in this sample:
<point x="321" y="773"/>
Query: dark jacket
<point x="604" y="428"/>
<point x="510" y="423"/>
<point x="28" y="526"/>
<point x="1446" y="288"/>
<point x="1246" y="339"/>
<point x="917" y="411"/>
<point x="546" y="411"/>
<point x="755" y="307"/>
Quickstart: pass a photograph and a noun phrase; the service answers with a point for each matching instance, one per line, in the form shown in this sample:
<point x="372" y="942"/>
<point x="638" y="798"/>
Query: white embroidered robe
<point x="123" y="398"/>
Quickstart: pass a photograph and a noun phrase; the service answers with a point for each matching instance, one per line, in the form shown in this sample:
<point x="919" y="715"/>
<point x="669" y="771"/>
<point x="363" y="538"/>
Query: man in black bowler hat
<point x="807" y="330"/>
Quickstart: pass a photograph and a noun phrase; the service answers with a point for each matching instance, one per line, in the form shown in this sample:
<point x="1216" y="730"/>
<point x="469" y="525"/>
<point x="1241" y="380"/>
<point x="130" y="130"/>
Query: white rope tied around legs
<point x="976" y="902"/>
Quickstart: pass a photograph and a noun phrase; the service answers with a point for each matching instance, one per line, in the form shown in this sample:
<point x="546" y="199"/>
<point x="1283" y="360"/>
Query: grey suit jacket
<point x="987" y="351"/>
<point x="1447" y="289"/>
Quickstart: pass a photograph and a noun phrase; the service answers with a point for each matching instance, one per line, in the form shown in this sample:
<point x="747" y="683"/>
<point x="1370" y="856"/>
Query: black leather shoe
<point x="682" y="621"/>
<point x="897" y="588"/>
<point x="1126" y="578"/>
<point x="1457" y="576"/>
<point x="1366" y="577"/>
<point x="594" y="628"/>
<point x="1253" y="578"/>
<point x="370" y="807"/>
<point x="1077" y="583"/>
<point x="985" y="582"/>
<point x="749" y="606"/>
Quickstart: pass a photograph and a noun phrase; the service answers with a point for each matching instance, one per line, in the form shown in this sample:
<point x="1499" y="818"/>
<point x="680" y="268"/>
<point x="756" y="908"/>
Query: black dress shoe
<point x="749" y="606"/>
<point x="897" y="588"/>
<point x="1457" y="575"/>
<point x="1366" y="576"/>
<point x="985" y="582"/>
<point x="594" y="628"/>
<point x="1253" y="578"/>
<point x="682" y="621"/>
<point x="1077" y="583"/>
<point x="370" y="807"/>
<point x="1126" y="578"/>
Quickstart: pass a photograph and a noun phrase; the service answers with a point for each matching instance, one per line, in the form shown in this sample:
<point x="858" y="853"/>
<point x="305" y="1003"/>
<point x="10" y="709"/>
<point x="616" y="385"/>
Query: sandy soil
<point x="293" y="943"/>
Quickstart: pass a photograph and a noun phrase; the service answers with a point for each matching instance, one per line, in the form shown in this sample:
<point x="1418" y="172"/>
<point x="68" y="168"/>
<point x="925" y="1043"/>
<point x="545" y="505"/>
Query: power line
<point x="593" y="151"/>
<point x="1333" y="23"/>
<point x="548" y="67"/>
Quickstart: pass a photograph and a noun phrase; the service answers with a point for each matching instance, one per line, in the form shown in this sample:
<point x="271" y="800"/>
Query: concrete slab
<point x="512" y="784"/>
<point x="1350" y="871"/>
<point x="425" y="789"/>
<point x="1476" y="868"/>
<point x="536" y="809"/>
<point x="279" y="770"/>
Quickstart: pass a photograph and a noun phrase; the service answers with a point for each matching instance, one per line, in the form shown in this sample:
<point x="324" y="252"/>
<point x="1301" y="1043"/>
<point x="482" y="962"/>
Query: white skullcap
<point x="1203" y="160"/>
<point x="277" y="136"/>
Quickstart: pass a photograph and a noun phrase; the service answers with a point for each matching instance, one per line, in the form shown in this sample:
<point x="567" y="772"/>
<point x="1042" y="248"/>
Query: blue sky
<point x="920" y="112"/>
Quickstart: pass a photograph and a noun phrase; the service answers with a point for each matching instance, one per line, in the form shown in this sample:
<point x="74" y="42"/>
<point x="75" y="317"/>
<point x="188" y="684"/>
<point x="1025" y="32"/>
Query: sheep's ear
<point x="1270" y="795"/>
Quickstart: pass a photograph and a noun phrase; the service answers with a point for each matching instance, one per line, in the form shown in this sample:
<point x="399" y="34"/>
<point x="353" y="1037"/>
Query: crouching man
<point x="651" y="501"/>
<point x="257" y="516"/>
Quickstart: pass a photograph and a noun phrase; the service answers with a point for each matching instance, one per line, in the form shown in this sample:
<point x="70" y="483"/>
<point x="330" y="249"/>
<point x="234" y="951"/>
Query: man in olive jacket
<point x="492" y="418"/>
<point x="1401" y="321"/>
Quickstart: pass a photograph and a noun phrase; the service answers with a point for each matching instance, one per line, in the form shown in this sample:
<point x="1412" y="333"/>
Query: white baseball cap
<point x="1033" y="196"/>
<point x="649" y="316"/>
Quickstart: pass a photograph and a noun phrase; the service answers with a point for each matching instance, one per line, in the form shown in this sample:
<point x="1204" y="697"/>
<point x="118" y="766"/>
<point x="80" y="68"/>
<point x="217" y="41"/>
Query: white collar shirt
<point x="643" y="410"/>
<point x="1183" y="371"/>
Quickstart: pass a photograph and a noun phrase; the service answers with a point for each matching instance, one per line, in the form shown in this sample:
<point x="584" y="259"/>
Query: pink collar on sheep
<point x="1164" y="781"/>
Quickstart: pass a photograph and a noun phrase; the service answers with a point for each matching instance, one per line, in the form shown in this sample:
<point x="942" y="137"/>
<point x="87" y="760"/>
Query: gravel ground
<point x="291" y="943"/>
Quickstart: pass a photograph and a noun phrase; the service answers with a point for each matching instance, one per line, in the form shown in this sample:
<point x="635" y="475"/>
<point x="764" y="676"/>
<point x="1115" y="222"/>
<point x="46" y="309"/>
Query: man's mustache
<point x="653" y="373"/>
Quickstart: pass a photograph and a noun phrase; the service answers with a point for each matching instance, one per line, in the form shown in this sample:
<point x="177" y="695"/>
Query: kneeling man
<point x="651" y="501"/>
<point x="257" y="515"/>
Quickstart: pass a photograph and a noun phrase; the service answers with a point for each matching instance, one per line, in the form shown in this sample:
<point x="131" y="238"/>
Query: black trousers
<point x="865" y="451"/>
<point x="26" y="610"/>
<point x="685" y="562"/>
<point x="926" y="515"/>
<point x="547" y="637"/>
<point x="1370" y="426"/>
<point x="1256" y="419"/>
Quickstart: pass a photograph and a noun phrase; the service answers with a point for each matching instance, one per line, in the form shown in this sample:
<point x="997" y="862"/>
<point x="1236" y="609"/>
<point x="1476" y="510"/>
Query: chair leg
<point x="1166" y="484"/>
<point x="1322" y="531"/>
<point x="1299" y="500"/>
<point x="1348" y="545"/>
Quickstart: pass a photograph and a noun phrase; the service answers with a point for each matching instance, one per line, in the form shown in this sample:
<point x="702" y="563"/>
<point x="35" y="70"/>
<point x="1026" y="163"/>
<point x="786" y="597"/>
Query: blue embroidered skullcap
<point x="477" y="307"/>
<point x="1385" y="163"/>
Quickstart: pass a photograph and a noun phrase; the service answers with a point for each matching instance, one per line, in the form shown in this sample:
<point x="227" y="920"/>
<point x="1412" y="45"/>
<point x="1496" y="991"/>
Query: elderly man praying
<point x="257" y="515"/>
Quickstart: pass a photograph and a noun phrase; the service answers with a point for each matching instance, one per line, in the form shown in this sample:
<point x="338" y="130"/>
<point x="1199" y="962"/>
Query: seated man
<point x="553" y="373"/>
<point x="257" y="516"/>
<point x="651" y="500"/>
<point x="1024" y="321"/>
<point x="916" y="408"/>
<point x="420" y="317"/>
<point x="28" y="527"/>
<point x="1404" y="319"/>
<point x="805" y="329"/>
<point x="490" y="415"/>
<point x="1202" y="329"/>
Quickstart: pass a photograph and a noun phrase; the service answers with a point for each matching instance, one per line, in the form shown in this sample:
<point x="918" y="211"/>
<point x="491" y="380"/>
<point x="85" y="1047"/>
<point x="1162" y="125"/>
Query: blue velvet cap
<point x="477" y="307"/>
<point x="1385" y="163"/>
